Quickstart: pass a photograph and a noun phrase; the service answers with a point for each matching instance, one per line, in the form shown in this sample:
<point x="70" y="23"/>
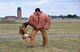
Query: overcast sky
<point x="51" y="7"/>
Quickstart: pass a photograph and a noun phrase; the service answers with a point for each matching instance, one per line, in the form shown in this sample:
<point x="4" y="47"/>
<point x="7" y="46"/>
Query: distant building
<point x="19" y="16"/>
<point x="11" y="17"/>
<point x="19" y="13"/>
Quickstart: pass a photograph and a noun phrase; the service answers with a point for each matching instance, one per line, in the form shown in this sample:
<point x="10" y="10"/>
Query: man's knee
<point x="45" y="37"/>
<point x="32" y="37"/>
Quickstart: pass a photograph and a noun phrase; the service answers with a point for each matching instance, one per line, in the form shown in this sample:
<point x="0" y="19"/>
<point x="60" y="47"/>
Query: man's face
<point x="38" y="12"/>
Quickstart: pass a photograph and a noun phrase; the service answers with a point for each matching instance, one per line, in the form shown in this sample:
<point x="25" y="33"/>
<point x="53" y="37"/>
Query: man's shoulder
<point x="44" y="14"/>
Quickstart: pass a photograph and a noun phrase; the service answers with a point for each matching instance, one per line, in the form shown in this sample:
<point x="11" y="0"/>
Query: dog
<point x="23" y="31"/>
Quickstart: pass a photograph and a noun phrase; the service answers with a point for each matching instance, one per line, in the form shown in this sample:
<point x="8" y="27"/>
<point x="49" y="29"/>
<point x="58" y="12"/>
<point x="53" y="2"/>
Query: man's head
<point x="37" y="10"/>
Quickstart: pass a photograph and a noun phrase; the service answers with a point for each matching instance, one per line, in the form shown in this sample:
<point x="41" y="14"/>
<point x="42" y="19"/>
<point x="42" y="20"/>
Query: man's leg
<point x="32" y="37"/>
<point x="45" y="36"/>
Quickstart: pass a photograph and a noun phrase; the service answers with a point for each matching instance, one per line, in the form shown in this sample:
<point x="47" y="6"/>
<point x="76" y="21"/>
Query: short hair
<point x="37" y="9"/>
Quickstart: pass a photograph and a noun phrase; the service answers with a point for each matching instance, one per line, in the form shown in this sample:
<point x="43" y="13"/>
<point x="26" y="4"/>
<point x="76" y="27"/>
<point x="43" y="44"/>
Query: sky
<point x="50" y="7"/>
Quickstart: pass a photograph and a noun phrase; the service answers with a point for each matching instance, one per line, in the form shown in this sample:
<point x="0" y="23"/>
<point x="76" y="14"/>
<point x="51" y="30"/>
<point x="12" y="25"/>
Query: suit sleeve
<point x="48" y="22"/>
<point x="32" y="23"/>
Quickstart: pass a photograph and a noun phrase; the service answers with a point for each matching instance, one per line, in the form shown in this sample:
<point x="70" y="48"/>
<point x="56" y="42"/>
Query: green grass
<point x="57" y="26"/>
<point x="54" y="45"/>
<point x="8" y="22"/>
<point x="64" y="26"/>
<point x="9" y="28"/>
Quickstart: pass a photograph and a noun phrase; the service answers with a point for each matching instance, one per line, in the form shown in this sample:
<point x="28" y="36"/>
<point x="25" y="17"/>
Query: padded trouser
<point x="44" y="34"/>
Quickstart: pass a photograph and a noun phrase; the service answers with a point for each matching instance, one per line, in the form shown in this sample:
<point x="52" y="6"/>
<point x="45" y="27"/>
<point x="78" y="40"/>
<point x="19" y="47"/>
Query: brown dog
<point x="23" y="30"/>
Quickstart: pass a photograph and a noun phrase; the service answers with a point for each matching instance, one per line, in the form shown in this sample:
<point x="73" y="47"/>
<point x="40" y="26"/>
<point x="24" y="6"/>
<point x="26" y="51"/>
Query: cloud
<point x="14" y="4"/>
<point x="41" y="2"/>
<point x="28" y="3"/>
<point x="9" y="7"/>
<point x="49" y="6"/>
<point x="34" y="3"/>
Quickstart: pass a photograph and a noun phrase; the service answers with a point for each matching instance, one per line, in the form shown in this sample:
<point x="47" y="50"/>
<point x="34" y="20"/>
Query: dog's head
<point x="22" y="31"/>
<point x="22" y="28"/>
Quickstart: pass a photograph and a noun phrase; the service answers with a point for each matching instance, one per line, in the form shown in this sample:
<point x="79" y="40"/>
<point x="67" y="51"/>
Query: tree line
<point x="69" y="16"/>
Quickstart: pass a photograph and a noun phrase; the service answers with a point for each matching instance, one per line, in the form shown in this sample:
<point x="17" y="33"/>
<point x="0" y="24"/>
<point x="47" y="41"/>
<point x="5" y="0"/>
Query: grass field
<point x="57" y="26"/>
<point x="65" y="26"/>
<point x="54" y="45"/>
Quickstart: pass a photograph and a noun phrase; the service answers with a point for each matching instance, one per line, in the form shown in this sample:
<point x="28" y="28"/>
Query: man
<point x="40" y="22"/>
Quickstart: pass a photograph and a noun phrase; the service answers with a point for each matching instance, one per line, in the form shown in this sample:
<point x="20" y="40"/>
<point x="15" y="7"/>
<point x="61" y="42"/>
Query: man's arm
<point x="32" y="23"/>
<point x="48" y="22"/>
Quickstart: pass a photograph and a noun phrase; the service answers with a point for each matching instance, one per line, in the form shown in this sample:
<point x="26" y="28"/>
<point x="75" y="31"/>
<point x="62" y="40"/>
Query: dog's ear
<point x="20" y="27"/>
<point x="21" y="30"/>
